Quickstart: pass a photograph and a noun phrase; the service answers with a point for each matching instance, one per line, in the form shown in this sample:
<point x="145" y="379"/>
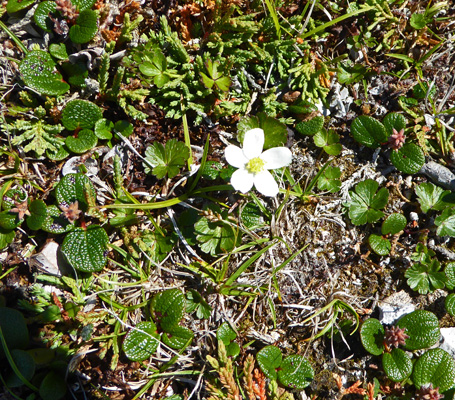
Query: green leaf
<point x="55" y="222"/>
<point x="295" y="372"/>
<point x="141" y="342"/>
<point x="368" y="131"/>
<point x="6" y="237"/>
<point x="38" y="210"/>
<point x="177" y="337"/>
<point x="225" y="333"/>
<point x="215" y="78"/>
<point x="380" y="245"/>
<point x="155" y="66"/>
<point x="14" y="329"/>
<point x="437" y="367"/>
<point x="85" y="27"/>
<point x="157" y="245"/>
<point x="9" y="220"/>
<point x="251" y="216"/>
<point x="269" y="360"/>
<point x="419" y="21"/>
<point x="328" y="140"/>
<point x="366" y="203"/>
<point x="16" y="5"/>
<point x="168" y="308"/>
<point x="393" y="224"/>
<point x="166" y="160"/>
<point x="450" y="274"/>
<point x="446" y="223"/>
<point x="124" y="127"/>
<point x="214" y="235"/>
<point x="39" y="72"/>
<point x="81" y="114"/>
<point x="351" y="73"/>
<point x="26" y="366"/>
<point x="408" y="159"/>
<point x="52" y="387"/>
<point x="431" y="197"/>
<point x="310" y="127"/>
<point x="423" y="329"/>
<point x="103" y="129"/>
<point x="41" y="16"/>
<point x="372" y="336"/>
<point x="425" y="277"/>
<point x="59" y="50"/>
<point x="450" y="304"/>
<point x="420" y="90"/>
<point x="75" y="187"/>
<point x="85" y="249"/>
<point x="83" y="4"/>
<point x="394" y="121"/>
<point x="275" y="132"/>
<point x="330" y="180"/>
<point x="85" y="140"/>
<point x="195" y="302"/>
<point x="397" y="365"/>
<point x="211" y="170"/>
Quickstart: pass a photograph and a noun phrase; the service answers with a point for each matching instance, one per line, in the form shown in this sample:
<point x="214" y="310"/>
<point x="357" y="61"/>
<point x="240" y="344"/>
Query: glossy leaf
<point x="446" y="223"/>
<point x="295" y="372"/>
<point x="408" y="159"/>
<point x="449" y="270"/>
<point x="380" y="245"/>
<point x="397" y="365"/>
<point x="141" y="342"/>
<point x="368" y="131"/>
<point x="81" y="114"/>
<point x="372" y="336"/>
<point x="85" y="28"/>
<point x="168" y="308"/>
<point x="9" y="220"/>
<point x="450" y="304"/>
<point x="269" y="360"/>
<point x="394" y="121"/>
<point x="16" y="5"/>
<point x="103" y="129"/>
<point x="251" y="216"/>
<point x="85" y="140"/>
<point x="431" y="197"/>
<point x="393" y="224"/>
<point x="38" y="211"/>
<point x="75" y="187"/>
<point x="328" y="140"/>
<point x="177" y="337"/>
<point x="41" y="15"/>
<point x="422" y="327"/>
<point x="275" y="132"/>
<point x="330" y="179"/>
<point x="55" y="222"/>
<point x="310" y="127"/>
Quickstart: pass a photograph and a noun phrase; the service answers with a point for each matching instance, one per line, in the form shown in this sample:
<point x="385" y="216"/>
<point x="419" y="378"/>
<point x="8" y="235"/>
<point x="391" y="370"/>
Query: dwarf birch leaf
<point x="380" y="245"/>
<point x="103" y="129"/>
<point x="394" y="121"/>
<point x="450" y="304"/>
<point x="84" y="141"/>
<point x="55" y="222"/>
<point x="368" y="131"/>
<point x="75" y="187"/>
<point x="295" y="372"/>
<point x="39" y="72"/>
<point x="86" y="249"/>
<point x="83" y="4"/>
<point x="168" y="308"/>
<point x="269" y="360"/>
<point x="422" y="327"/>
<point x="437" y="367"/>
<point x="38" y="210"/>
<point x="41" y="15"/>
<point x="166" y="160"/>
<point x="85" y="28"/>
<point x="397" y="365"/>
<point x="141" y="342"/>
<point x="408" y="159"/>
<point x="81" y="114"/>
<point x="177" y="337"/>
<point x="393" y="224"/>
<point x="450" y="274"/>
<point x="58" y="51"/>
<point x="310" y="127"/>
<point x="372" y="336"/>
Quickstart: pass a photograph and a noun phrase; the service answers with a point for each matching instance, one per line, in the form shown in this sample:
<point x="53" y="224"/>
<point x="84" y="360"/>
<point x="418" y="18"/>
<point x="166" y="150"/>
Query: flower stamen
<point x="255" y="165"/>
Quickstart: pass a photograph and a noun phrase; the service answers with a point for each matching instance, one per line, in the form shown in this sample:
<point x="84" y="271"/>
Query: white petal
<point x="276" y="157"/>
<point x="242" y="180"/>
<point x="266" y="184"/>
<point x="234" y="156"/>
<point x="253" y="143"/>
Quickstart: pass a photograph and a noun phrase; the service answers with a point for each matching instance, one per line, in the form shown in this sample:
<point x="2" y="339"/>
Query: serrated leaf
<point x="124" y="127"/>
<point x="450" y="274"/>
<point x="330" y="180"/>
<point x="75" y="187"/>
<point x="351" y="73"/>
<point x="450" y="304"/>
<point x="295" y="372"/>
<point x="16" y="5"/>
<point x="446" y="223"/>
<point x="38" y="210"/>
<point x="397" y="365"/>
<point x="141" y="342"/>
<point x="168" y="308"/>
<point x="195" y="302"/>
<point x="211" y="170"/>
<point x="177" y="337"/>
<point x="380" y="245"/>
<point x="419" y="21"/>
<point x="393" y="224"/>
<point x="85" y="140"/>
<point x="437" y="367"/>
<point x="425" y="277"/>
<point x="372" y="336"/>
<point x="269" y="360"/>
<point x="85" y="27"/>
<point x="310" y="127"/>
<point x="368" y="131"/>
<point x="166" y="160"/>
<point x="81" y="114"/>
<point x="86" y="249"/>
<point x="39" y="72"/>
<point x="26" y="366"/>
<point x="431" y="197"/>
<point x="408" y="159"/>
<point x="41" y="15"/>
<point x="394" y="121"/>
<point x="422" y="327"/>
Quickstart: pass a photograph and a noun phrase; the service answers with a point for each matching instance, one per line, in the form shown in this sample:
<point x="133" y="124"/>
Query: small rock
<point x="448" y="340"/>
<point x="394" y="307"/>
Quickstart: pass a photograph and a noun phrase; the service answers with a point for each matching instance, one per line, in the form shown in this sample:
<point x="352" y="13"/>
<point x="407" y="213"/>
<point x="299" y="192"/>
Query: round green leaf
<point x="39" y="72"/>
<point x="53" y="387"/>
<point x="84" y="141"/>
<point x="310" y="127"/>
<point x="6" y="237"/>
<point x="41" y="16"/>
<point x="177" y="337"/>
<point x="251" y="215"/>
<point x="83" y="4"/>
<point x="16" y="5"/>
<point x="168" y="308"/>
<point x="86" y="249"/>
<point x="422" y="327"/>
<point x="38" y="210"/>
<point x="141" y="342"/>
<point x="269" y="359"/>
<point x="9" y="220"/>
<point x="103" y="129"/>
<point x="450" y="273"/>
<point x="436" y="366"/>
<point x="295" y="372"/>
<point x="225" y="333"/>
<point x="409" y="159"/>
<point x="58" y="155"/>
<point x="393" y="224"/>
<point x="372" y="336"/>
<point x="85" y="27"/>
<point x="381" y="246"/>
<point x="58" y="50"/>
<point x="26" y="366"/>
<point x="394" y="121"/>
<point x="80" y="114"/>
<point x="75" y="187"/>
<point x="55" y="222"/>
<point x="368" y="131"/>
<point x="397" y="365"/>
<point x="450" y="304"/>
<point x="14" y="329"/>
<point x="124" y="127"/>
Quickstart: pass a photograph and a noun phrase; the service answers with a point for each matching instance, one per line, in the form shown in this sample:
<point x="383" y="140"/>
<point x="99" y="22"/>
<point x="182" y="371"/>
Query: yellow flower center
<point x="255" y="165"/>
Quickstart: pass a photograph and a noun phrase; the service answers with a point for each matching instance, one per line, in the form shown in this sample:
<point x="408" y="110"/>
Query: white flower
<point x="253" y="164"/>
